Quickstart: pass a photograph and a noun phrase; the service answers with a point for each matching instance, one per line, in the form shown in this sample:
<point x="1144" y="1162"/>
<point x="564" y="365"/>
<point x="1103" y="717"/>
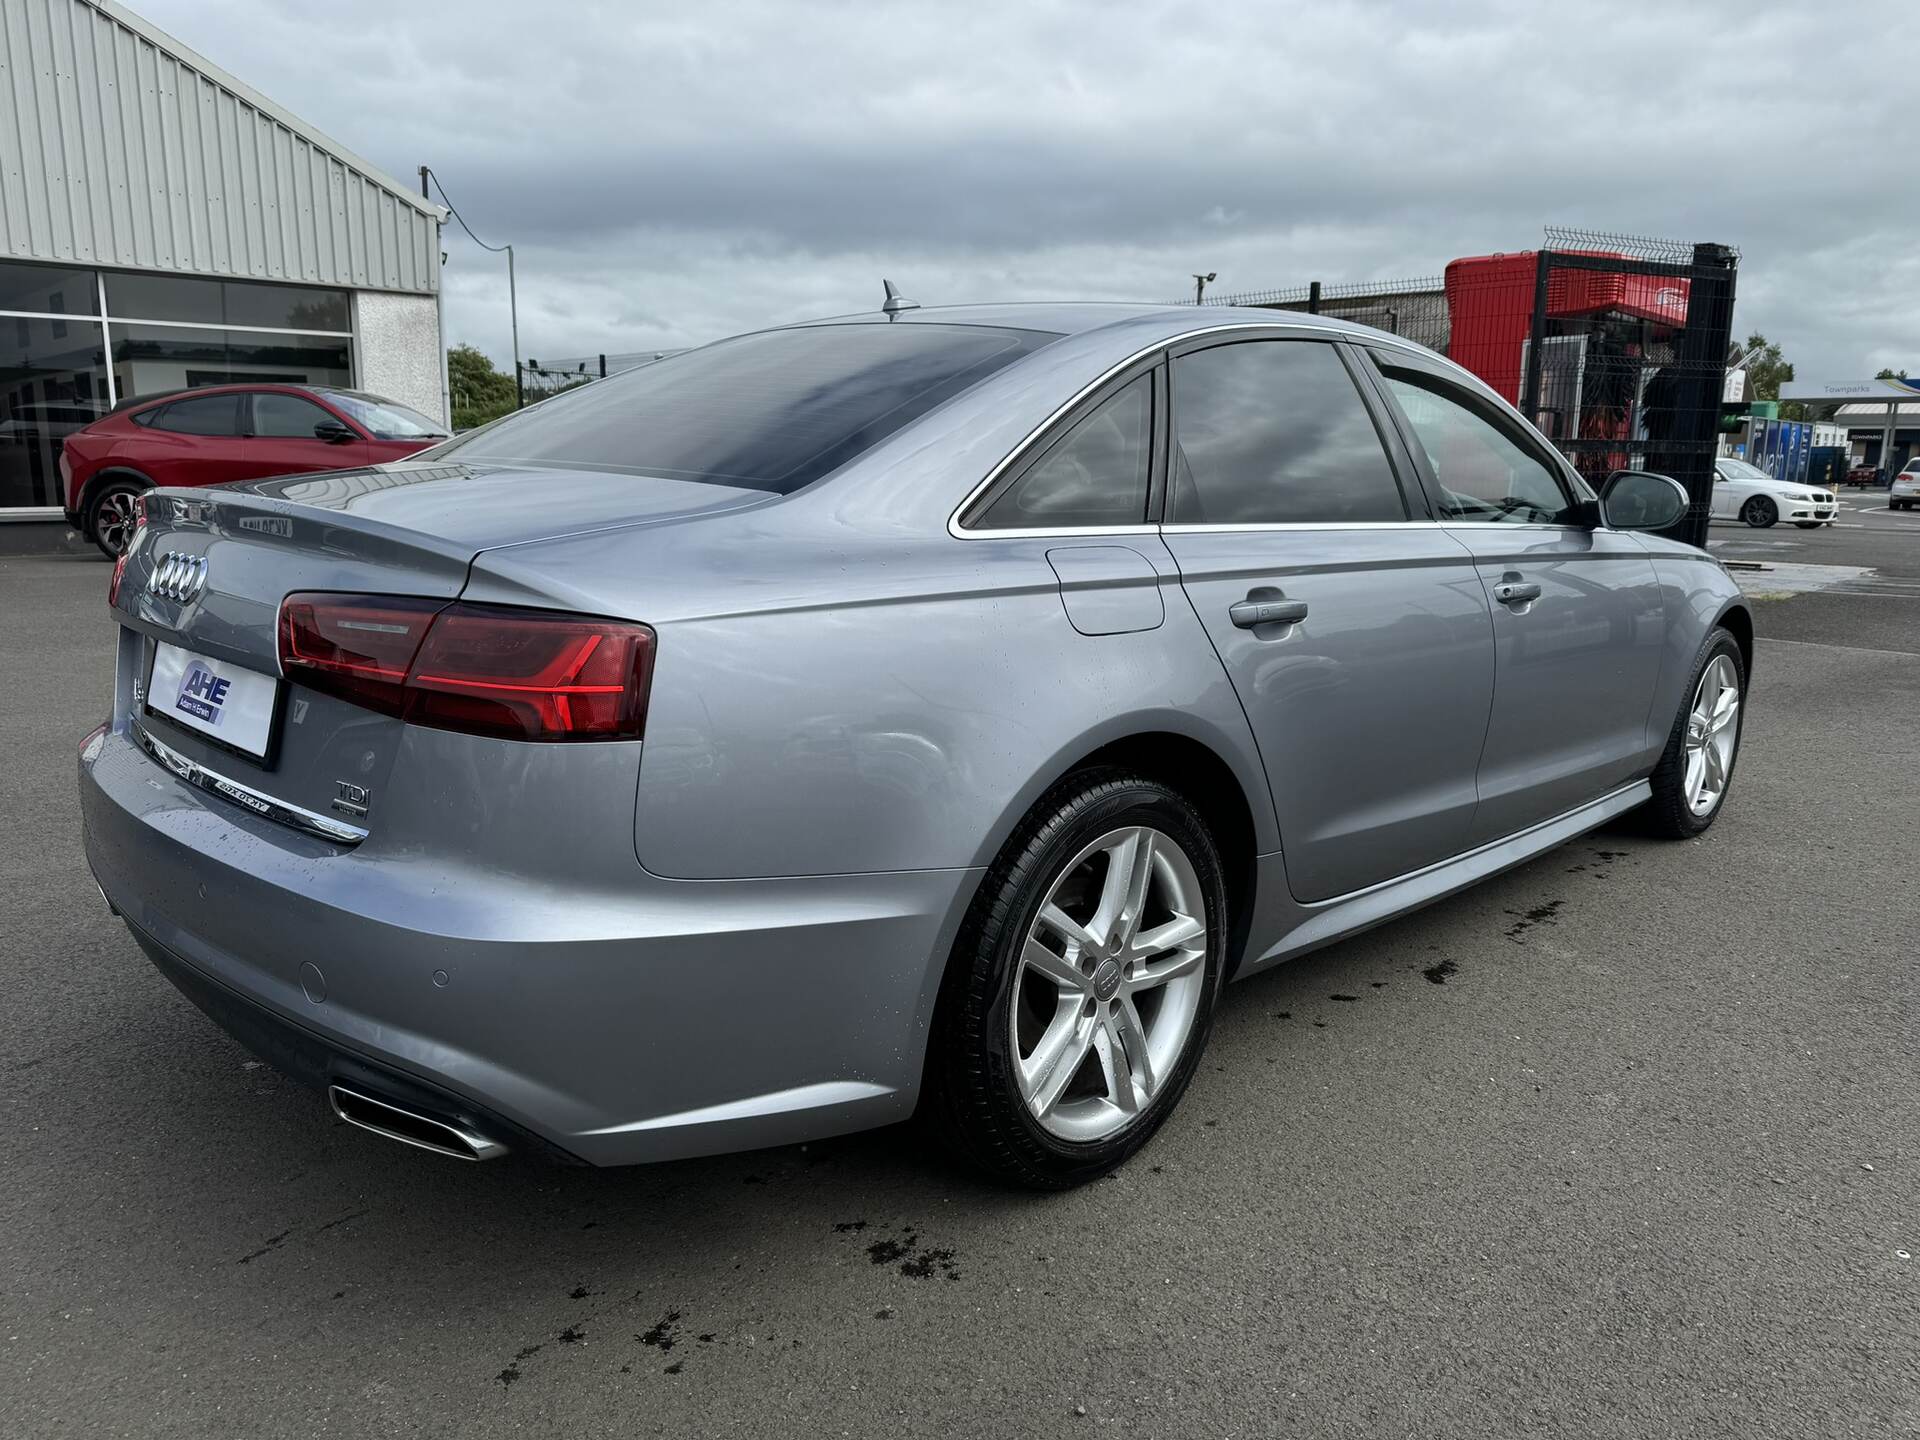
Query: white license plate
<point x="216" y="697"/>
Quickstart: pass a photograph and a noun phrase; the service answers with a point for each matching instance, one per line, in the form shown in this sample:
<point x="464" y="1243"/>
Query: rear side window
<point x="773" y="411"/>
<point x="1273" y="432"/>
<point x="1094" y="475"/>
<point x="209" y="415"/>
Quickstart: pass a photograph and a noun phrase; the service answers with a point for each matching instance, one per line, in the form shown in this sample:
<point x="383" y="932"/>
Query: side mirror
<point x="1642" y="500"/>
<point x="333" y="432"/>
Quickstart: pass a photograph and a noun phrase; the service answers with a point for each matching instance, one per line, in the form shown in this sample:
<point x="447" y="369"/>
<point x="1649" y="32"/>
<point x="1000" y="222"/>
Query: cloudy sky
<point x="669" y="173"/>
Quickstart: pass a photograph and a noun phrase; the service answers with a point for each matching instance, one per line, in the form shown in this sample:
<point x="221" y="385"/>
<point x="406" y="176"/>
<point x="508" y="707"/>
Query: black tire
<point x="1760" y="512"/>
<point x="105" y="524"/>
<point x="974" y="1097"/>
<point x="1667" y="813"/>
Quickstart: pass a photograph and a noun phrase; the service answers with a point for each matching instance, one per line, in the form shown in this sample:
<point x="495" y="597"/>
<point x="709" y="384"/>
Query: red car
<point x="215" y="433"/>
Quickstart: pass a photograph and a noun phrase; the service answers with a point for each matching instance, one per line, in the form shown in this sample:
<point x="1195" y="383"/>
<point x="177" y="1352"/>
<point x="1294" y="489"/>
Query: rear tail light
<point x="482" y="669"/>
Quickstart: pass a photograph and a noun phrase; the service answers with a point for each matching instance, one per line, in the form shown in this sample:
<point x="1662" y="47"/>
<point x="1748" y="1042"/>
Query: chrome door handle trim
<point x="1516" y="592"/>
<point x="1249" y="613"/>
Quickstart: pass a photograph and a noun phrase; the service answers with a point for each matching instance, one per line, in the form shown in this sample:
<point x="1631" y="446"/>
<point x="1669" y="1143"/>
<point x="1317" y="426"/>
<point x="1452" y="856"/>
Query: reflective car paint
<point x="733" y="932"/>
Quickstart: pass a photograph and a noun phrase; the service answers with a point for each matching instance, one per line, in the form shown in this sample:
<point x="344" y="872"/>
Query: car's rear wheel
<point x="1759" y="512"/>
<point x="1081" y="991"/>
<point x="1690" y="783"/>
<point x="113" y="514"/>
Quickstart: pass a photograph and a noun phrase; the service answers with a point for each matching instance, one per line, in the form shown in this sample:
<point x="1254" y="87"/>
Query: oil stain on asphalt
<point x="914" y="1261"/>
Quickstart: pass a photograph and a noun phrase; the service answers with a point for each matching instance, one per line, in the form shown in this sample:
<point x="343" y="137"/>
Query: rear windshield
<point x="772" y="411"/>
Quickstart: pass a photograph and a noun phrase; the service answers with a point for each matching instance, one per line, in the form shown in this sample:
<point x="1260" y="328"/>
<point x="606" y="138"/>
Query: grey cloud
<point x="668" y="174"/>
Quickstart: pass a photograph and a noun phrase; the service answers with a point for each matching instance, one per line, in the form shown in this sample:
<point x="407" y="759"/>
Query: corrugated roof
<point x="122" y="147"/>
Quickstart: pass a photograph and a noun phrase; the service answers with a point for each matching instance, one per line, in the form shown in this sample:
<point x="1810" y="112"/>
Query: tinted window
<point x="210" y="415"/>
<point x="286" y="416"/>
<point x="1095" y="475"/>
<point x="1274" y="432"/>
<point x="1485" y="474"/>
<point x="772" y="411"/>
<point x="225" y="302"/>
<point x="48" y="289"/>
<point x="150" y="358"/>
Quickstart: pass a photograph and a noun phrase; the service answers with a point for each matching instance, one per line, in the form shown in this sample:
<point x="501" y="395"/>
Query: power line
<point x="496" y="249"/>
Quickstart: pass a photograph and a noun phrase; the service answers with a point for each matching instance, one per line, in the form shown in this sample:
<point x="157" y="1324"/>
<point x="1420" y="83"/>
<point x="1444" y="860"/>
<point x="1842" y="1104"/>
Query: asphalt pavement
<point x="1623" y="1143"/>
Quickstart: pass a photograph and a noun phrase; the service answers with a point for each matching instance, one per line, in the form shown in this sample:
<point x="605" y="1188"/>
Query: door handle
<point x="1249" y="613"/>
<point x="1516" y="592"/>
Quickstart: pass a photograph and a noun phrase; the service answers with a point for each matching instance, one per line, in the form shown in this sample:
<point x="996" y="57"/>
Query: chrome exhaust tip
<point x="410" y="1127"/>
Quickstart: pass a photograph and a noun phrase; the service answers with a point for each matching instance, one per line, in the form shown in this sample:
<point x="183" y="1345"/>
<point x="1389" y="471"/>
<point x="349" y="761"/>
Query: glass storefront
<point x="62" y="365"/>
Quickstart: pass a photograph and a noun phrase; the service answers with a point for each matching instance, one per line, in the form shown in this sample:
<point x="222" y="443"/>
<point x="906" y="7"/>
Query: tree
<point x="480" y="393"/>
<point x="1889" y="375"/>
<point x="1766" y="369"/>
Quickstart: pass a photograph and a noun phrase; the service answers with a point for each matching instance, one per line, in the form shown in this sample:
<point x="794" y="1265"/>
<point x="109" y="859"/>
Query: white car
<point x="1905" y="491"/>
<point x="1746" y="492"/>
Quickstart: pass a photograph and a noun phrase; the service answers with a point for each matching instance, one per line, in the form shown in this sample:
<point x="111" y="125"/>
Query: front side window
<point x="772" y="411"/>
<point x="1485" y="475"/>
<point x="277" y="415"/>
<point x="386" y="419"/>
<point x="1095" y="475"/>
<point x="1274" y="432"/>
<point x="208" y="415"/>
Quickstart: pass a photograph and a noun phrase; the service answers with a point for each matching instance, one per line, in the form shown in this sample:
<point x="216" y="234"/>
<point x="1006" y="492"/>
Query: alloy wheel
<point x="1108" y="983"/>
<point x="1713" y="730"/>
<point x="114" y="518"/>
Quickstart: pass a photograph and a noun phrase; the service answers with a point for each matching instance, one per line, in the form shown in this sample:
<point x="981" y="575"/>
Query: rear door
<point x="1578" y="619"/>
<point x="194" y="441"/>
<point x="285" y="437"/>
<point x="1354" y="629"/>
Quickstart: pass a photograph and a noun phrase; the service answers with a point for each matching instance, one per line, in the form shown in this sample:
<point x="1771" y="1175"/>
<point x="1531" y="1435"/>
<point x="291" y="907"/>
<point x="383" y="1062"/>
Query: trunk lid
<point x="212" y="566"/>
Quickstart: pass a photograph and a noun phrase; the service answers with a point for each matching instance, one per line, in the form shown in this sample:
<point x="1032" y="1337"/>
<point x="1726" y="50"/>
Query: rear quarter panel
<point x="828" y="703"/>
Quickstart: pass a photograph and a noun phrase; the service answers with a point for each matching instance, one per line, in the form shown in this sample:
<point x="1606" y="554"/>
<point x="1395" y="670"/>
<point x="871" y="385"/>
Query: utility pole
<point x="440" y="310"/>
<point x="1200" y="284"/>
<point x="513" y="313"/>
<point x="513" y="299"/>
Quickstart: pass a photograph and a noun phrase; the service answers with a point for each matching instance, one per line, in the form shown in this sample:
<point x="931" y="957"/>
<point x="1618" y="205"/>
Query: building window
<point x="50" y="386"/>
<point x="150" y="358"/>
<point x="226" y="302"/>
<point x="62" y="365"/>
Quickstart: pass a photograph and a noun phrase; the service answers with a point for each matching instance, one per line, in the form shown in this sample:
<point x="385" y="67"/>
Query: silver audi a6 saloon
<point x="919" y="711"/>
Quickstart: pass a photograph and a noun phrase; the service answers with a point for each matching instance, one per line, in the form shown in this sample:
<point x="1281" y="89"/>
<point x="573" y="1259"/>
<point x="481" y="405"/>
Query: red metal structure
<point x="1490" y="304"/>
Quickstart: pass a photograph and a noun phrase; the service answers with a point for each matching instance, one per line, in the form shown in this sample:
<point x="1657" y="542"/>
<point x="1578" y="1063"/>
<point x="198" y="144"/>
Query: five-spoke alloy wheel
<point x="1082" y="987"/>
<point x="1713" y="730"/>
<point x="1109" y="982"/>
<point x="1691" y="780"/>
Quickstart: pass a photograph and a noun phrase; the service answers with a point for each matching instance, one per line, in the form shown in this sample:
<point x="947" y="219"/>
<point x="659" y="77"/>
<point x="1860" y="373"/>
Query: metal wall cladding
<point x="118" y="150"/>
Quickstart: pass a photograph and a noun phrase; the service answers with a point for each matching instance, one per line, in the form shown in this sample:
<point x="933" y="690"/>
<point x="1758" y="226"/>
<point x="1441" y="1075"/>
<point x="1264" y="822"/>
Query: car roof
<point x="154" y="397"/>
<point x="1137" y="319"/>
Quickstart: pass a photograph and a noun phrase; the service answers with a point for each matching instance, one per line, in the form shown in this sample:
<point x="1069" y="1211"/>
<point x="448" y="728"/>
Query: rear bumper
<point x="674" y="1018"/>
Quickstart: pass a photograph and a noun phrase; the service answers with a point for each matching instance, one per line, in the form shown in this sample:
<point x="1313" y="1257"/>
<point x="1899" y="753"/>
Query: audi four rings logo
<point x="180" y="576"/>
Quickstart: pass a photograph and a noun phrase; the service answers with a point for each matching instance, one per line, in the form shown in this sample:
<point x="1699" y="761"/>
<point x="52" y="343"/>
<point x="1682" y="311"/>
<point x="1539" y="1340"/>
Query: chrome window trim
<point x="1278" y="328"/>
<point x="248" y="798"/>
<point x="1052" y="532"/>
<point x="1263" y="526"/>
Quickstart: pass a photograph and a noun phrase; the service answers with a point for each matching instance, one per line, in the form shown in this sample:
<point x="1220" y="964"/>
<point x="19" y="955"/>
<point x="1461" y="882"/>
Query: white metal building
<point x="164" y="225"/>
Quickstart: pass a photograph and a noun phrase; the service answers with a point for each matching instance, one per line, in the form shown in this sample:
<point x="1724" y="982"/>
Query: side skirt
<point x="1287" y="928"/>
